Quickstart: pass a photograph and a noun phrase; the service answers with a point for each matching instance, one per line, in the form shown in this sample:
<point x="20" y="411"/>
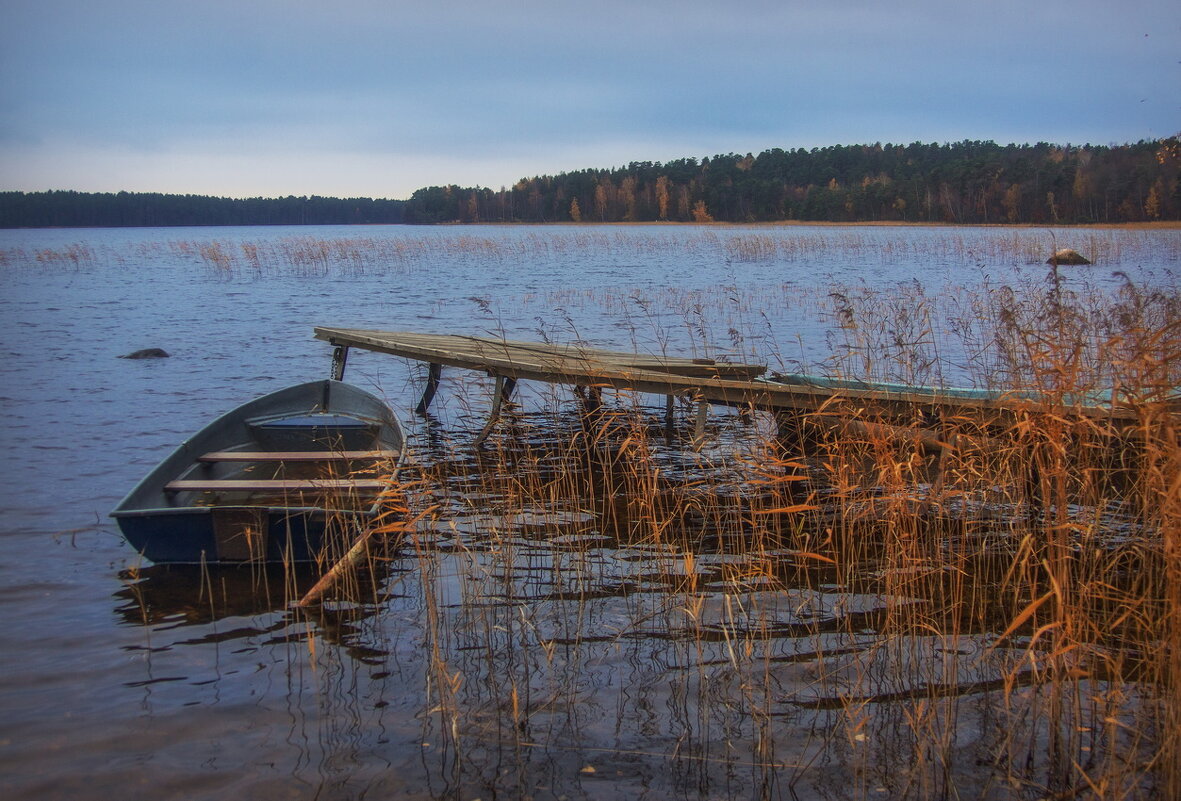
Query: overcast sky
<point x="379" y="97"/>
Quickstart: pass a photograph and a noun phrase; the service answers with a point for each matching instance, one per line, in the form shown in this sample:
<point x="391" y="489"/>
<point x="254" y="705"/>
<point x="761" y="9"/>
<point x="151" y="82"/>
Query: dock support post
<point x="699" y="424"/>
<point x="502" y="392"/>
<point x="434" y="373"/>
<point x="507" y="386"/>
<point x="340" y="355"/>
<point x="670" y="418"/>
<point x="590" y="402"/>
<point x="794" y="434"/>
<point x="590" y="397"/>
<point x="746" y="413"/>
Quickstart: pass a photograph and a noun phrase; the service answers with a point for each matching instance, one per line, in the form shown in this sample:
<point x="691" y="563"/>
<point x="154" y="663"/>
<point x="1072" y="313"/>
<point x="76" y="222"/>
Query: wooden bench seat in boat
<point x="295" y="456"/>
<point x="274" y="485"/>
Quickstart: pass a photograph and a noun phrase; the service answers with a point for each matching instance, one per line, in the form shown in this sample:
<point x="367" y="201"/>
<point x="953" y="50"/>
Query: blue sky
<point x="364" y="98"/>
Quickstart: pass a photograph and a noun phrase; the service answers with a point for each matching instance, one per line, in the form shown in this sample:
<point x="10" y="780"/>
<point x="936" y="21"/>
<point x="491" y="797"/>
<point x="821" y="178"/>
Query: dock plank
<point x="475" y="352"/>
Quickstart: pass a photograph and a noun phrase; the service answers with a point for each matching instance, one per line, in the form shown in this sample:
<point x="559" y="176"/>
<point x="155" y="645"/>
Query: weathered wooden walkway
<point x="704" y="381"/>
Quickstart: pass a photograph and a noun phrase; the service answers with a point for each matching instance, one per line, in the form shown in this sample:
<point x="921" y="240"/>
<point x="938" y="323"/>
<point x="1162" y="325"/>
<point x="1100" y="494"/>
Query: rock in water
<point x="1067" y="256"/>
<point x="147" y="353"/>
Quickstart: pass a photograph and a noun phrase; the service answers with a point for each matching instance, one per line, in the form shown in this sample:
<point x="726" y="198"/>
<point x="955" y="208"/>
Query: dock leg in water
<point x="794" y="436"/>
<point x="504" y="390"/>
<point x="699" y="424"/>
<point x="590" y="400"/>
<point x="433" y="374"/>
<point x="746" y="414"/>
<point x="340" y="355"/>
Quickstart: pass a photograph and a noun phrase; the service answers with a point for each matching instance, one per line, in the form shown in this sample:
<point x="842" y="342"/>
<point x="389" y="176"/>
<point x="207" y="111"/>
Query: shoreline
<point x="1162" y="225"/>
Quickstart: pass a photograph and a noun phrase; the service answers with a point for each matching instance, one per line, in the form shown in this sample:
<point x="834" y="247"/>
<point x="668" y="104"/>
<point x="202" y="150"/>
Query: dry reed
<point x="998" y="619"/>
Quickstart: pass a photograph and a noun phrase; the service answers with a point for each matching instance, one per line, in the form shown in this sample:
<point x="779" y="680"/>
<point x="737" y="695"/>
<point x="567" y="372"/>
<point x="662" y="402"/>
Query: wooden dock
<point x="705" y="381"/>
<point x="537" y="361"/>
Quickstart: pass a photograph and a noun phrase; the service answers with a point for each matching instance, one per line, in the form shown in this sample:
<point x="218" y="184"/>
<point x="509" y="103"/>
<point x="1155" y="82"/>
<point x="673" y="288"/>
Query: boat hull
<point x="271" y="481"/>
<point x="192" y="536"/>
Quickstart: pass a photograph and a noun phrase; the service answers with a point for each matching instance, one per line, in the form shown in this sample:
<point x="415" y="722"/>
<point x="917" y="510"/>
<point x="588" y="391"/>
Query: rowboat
<point x="292" y="476"/>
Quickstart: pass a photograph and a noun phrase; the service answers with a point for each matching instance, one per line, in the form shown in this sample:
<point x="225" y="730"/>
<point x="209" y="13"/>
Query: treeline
<point x="103" y="210"/>
<point x="964" y="182"/>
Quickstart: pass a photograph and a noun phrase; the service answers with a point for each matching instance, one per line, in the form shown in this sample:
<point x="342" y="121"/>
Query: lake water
<point x="163" y="684"/>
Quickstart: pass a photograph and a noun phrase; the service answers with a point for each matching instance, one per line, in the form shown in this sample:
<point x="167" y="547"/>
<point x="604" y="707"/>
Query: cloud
<point x="482" y="88"/>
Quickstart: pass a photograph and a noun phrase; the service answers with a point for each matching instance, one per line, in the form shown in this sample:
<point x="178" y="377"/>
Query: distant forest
<point x="139" y="209"/>
<point x="963" y="182"/>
